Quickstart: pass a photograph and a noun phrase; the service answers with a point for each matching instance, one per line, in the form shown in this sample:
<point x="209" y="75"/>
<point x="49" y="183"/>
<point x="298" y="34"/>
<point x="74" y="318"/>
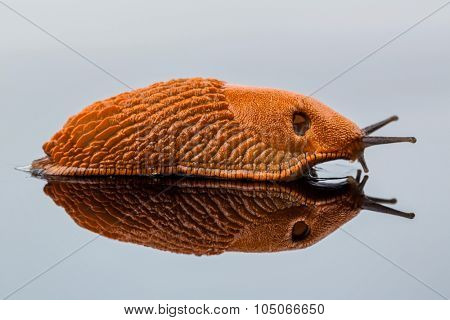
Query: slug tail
<point x="46" y="167"/>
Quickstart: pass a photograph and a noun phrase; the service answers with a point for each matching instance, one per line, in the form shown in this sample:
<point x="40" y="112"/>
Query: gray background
<point x="295" y="45"/>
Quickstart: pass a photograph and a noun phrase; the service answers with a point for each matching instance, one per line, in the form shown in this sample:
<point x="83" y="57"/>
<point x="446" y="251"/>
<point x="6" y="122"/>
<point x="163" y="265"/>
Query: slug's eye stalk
<point x="374" y="127"/>
<point x="301" y="123"/>
<point x="369" y="141"/>
<point x="375" y="204"/>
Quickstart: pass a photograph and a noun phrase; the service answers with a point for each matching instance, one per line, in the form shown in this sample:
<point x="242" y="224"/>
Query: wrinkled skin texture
<point x="206" y="217"/>
<point x="200" y="127"/>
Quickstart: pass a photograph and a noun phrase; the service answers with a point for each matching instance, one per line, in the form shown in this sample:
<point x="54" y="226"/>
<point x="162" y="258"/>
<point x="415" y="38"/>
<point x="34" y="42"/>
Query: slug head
<point x="292" y="122"/>
<point x="299" y="124"/>
<point x="329" y="206"/>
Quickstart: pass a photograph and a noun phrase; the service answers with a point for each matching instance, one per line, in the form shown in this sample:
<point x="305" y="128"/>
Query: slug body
<point x="209" y="217"/>
<point x="202" y="127"/>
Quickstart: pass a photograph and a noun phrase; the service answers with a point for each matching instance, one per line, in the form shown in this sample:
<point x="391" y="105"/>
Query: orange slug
<point x="205" y="127"/>
<point x="209" y="217"/>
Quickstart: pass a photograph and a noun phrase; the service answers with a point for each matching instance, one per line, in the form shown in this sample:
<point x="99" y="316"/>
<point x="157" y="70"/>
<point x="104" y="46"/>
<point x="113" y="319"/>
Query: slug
<point x="210" y="217"/>
<point x="205" y="127"/>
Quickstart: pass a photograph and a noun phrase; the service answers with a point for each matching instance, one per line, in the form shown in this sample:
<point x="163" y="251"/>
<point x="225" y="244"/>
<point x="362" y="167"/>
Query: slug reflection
<point x="208" y="217"/>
